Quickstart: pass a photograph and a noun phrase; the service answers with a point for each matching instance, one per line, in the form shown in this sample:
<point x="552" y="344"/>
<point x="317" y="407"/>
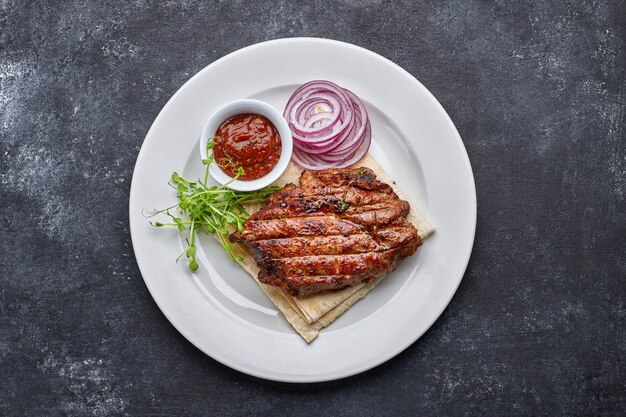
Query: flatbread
<point x="309" y="314"/>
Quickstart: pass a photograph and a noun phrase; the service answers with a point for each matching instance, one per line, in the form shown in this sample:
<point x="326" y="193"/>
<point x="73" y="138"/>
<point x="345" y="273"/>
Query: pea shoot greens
<point x="211" y="209"/>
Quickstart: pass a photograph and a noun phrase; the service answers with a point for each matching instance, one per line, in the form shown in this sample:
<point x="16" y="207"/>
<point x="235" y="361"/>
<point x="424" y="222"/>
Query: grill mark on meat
<point x="353" y="196"/>
<point x="299" y="226"/>
<point x="351" y="264"/>
<point x="306" y="285"/>
<point x="301" y="246"/>
<point x="332" y="206"/>
<point x="338" y="228"/>
<point x="318" y="245"/>
<point x="377" y="218"/>
<point x="359" y="177"/>
<point x="343" y="228"/>
<point x="394" y="236"/>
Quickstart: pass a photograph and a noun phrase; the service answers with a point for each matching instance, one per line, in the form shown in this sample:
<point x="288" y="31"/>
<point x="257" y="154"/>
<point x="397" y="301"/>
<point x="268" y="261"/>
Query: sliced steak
<point x="338" y="228"/>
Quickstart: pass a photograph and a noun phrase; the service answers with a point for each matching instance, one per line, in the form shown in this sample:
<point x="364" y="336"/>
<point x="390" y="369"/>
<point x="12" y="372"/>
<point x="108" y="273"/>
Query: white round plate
<point x="220" y="308"/>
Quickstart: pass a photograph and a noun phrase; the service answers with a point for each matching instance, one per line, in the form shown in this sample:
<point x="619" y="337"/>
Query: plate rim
<point x="474" y="207"/>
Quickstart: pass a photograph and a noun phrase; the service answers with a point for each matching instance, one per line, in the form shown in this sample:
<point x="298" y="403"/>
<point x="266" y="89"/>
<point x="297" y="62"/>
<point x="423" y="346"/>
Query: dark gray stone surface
<point x="536" y="89"/>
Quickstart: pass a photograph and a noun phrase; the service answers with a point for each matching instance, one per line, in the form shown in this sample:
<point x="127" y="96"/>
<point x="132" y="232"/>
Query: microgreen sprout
<point x="211" y="209"/>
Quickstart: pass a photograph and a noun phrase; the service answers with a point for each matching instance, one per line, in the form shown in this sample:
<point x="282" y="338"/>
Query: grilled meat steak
<point x="338" y="228"/>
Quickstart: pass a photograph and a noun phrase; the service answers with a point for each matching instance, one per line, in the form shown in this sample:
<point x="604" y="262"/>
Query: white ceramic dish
<point x="220" y="309"/>
<point x="248" y="106"/>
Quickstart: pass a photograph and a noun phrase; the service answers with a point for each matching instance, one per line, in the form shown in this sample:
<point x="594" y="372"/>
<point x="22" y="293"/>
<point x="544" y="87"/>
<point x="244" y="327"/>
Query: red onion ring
<point x="329" y="124"/>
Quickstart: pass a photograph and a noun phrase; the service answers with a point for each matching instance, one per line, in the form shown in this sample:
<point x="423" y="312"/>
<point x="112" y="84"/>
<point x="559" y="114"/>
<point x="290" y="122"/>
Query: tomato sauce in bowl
<point x="249" y="141"/>
<point x="254" y="137"/>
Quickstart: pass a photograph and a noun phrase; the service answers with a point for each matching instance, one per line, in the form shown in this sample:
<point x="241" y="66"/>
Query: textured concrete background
<point x="536" y="89"/>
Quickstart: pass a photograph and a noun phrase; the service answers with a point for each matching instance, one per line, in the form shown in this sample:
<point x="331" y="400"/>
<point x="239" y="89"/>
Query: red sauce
<point x="249" y="141"/>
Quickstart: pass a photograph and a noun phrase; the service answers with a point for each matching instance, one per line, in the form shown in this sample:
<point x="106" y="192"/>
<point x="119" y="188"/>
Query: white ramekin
<point x="240" y="107"/>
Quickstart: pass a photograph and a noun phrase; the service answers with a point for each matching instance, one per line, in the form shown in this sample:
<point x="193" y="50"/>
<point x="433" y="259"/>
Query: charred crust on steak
<point x="338" y="228"/>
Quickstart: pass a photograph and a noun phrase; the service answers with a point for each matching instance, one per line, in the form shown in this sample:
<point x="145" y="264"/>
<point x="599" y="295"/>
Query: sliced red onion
<point x="329" y="125"/>
<point x="315" y="162"/>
